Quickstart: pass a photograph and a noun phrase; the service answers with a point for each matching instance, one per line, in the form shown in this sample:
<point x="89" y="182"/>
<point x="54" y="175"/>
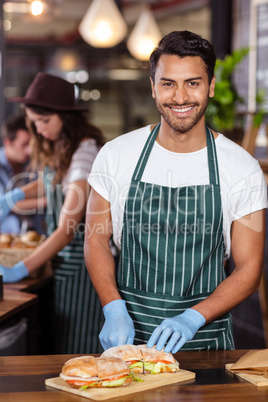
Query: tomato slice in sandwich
<point x="163" y="361"/>
<point x="132" y="362"/>
<point x="117" y="377"/>
<point x="79" y="383"/>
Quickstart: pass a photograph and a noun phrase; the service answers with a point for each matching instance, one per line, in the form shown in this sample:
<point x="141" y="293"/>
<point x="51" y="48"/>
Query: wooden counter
<point x="31" y="284"/>
<point x="23" y="379"/>
<point x="31" y="298"/>
<point x="15" y="302"/>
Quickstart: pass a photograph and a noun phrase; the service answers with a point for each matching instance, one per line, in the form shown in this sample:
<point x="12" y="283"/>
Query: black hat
<point x="50" y="92"/>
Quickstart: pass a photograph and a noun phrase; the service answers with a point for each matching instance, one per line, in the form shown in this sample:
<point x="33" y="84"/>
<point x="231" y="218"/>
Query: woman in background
<point x="64" y="146"/>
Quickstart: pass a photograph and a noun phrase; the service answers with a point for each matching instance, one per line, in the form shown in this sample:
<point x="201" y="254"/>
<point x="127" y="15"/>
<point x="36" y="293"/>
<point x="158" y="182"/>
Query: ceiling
<point x="61" y="20"/>
<point x="33" y="43"/>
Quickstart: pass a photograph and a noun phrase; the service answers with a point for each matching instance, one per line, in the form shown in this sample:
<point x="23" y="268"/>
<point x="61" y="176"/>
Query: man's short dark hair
<point x="183" y="44"/>
<point x="12" y="125"/>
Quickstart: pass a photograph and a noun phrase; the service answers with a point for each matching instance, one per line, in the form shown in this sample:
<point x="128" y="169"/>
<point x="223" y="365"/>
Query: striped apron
<point x="78" y="317"/>
<point x="172" y="252"/>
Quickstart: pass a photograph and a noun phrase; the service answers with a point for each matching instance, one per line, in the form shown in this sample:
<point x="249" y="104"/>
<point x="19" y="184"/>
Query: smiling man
<point x="177" y="198"/>
<point x="181" y="102"/>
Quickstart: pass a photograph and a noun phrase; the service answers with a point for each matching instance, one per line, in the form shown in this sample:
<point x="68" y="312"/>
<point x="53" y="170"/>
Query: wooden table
<point x="15" y="302"/>
<point x="23" y="379"/>
<point x="25" y="299"/>
<point x="31" y="284"/>
<point x="17" y="305"/>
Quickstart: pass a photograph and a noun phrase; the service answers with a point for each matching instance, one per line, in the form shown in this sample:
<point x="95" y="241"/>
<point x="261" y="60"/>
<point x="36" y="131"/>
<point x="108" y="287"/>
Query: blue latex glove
<point x="176" y="331"/>
<point x="118" y="328"/>
<point x="8" y="200"/>
<point x="14" y="274"/>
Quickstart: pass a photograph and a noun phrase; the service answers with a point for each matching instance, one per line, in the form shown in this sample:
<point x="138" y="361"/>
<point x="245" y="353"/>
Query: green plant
<point x="221" y="113"/>
<point x="260" y="99"/>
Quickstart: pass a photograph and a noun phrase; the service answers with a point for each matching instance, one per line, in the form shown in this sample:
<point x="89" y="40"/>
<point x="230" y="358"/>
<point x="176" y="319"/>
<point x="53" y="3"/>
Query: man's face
<point x="181" y="91"/>
<point x="18" y="151"/>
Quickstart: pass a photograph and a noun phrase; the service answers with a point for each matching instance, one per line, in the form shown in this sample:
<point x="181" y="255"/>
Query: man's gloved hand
<point x="8" y="200"/>
<point x="14" y="274"/>
<point x="118" y="328"/>
<point x="176" y="331"/>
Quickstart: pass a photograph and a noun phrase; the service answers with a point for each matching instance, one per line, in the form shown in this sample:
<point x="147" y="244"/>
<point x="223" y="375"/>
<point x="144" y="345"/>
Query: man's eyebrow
<point x="188" y="79"/>
<point x="166" y="79"/>
<point x="193" y="79"/>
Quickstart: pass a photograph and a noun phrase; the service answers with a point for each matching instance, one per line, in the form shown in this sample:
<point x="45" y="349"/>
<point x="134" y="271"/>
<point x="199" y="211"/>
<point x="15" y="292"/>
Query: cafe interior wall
<point x="118" y="88"/>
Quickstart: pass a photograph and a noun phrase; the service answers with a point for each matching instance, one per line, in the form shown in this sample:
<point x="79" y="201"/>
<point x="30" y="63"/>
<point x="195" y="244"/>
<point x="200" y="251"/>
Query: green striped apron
<point x="172" y="252"/>
<point x="78" y="317"/>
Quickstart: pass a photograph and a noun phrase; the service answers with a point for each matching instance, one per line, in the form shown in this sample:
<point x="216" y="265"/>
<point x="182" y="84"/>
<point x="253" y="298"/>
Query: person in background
<point x="64" y="145"/>
<point x="14" y="158"/>
<point x="177" y="197"/>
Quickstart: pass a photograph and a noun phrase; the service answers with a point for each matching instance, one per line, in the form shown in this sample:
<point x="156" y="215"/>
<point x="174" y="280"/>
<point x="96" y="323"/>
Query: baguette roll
<point x="91" y="372"/>
<point x="142" y="359"/>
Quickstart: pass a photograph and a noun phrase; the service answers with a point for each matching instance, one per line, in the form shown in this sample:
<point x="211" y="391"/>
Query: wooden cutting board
<point x="99" y="394"/>
<point x="257" y="380"/>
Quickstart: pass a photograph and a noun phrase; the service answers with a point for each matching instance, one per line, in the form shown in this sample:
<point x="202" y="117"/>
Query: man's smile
<point x="182" y="110"/>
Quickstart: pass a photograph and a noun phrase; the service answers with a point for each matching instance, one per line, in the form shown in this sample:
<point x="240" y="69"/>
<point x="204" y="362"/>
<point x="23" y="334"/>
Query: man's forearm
<point x="231" y="292"/>
<point x="101" y="267"/>
<point x="248" y="236"/>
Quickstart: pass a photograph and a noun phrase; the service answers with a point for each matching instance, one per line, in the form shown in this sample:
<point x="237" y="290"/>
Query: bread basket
<point x="9" y="256"/>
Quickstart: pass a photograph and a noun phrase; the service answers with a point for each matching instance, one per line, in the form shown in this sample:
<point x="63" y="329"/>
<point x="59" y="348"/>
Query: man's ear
<point x="152" y="87"/>
<point x="212" y="87"/>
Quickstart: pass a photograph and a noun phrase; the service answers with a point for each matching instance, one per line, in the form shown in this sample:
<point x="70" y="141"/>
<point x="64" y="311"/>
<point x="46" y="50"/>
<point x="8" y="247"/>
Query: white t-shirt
<point x="81" y="163"/>
<point x="243" y="188"/>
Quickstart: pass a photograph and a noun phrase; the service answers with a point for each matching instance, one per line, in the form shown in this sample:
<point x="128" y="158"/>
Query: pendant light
<point x="144" y="37"/>
<point x="103" y="24"/>
<point x="37" y="7"/>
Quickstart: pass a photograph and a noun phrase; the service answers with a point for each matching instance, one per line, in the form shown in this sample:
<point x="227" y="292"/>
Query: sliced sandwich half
<point x="91" y="372"/>
<point x="131" y="354"/>
<point x="155" y="361"/>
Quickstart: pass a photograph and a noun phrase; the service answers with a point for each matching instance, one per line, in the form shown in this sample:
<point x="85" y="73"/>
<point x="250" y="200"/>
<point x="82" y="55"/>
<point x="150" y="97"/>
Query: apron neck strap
<point x="212" y="158"/>
<point x="211" y="152"/>
<point x="138" y="172"/>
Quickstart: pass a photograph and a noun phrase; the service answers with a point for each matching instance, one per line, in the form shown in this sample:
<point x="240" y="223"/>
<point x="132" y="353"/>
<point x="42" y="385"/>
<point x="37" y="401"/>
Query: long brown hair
<point x="58" y="154"/>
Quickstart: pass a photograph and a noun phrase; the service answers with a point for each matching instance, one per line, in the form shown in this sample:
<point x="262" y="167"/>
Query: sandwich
<point x="141" y="359"/>
<point x="89" y="372"/>
<point x="155" y="361"/>
<point x="131" y="354"/>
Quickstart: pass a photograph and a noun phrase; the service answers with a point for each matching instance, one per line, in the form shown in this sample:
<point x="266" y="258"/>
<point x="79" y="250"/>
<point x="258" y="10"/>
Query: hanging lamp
<point x="144" y="36"/>
<point x="103" y="24"/>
